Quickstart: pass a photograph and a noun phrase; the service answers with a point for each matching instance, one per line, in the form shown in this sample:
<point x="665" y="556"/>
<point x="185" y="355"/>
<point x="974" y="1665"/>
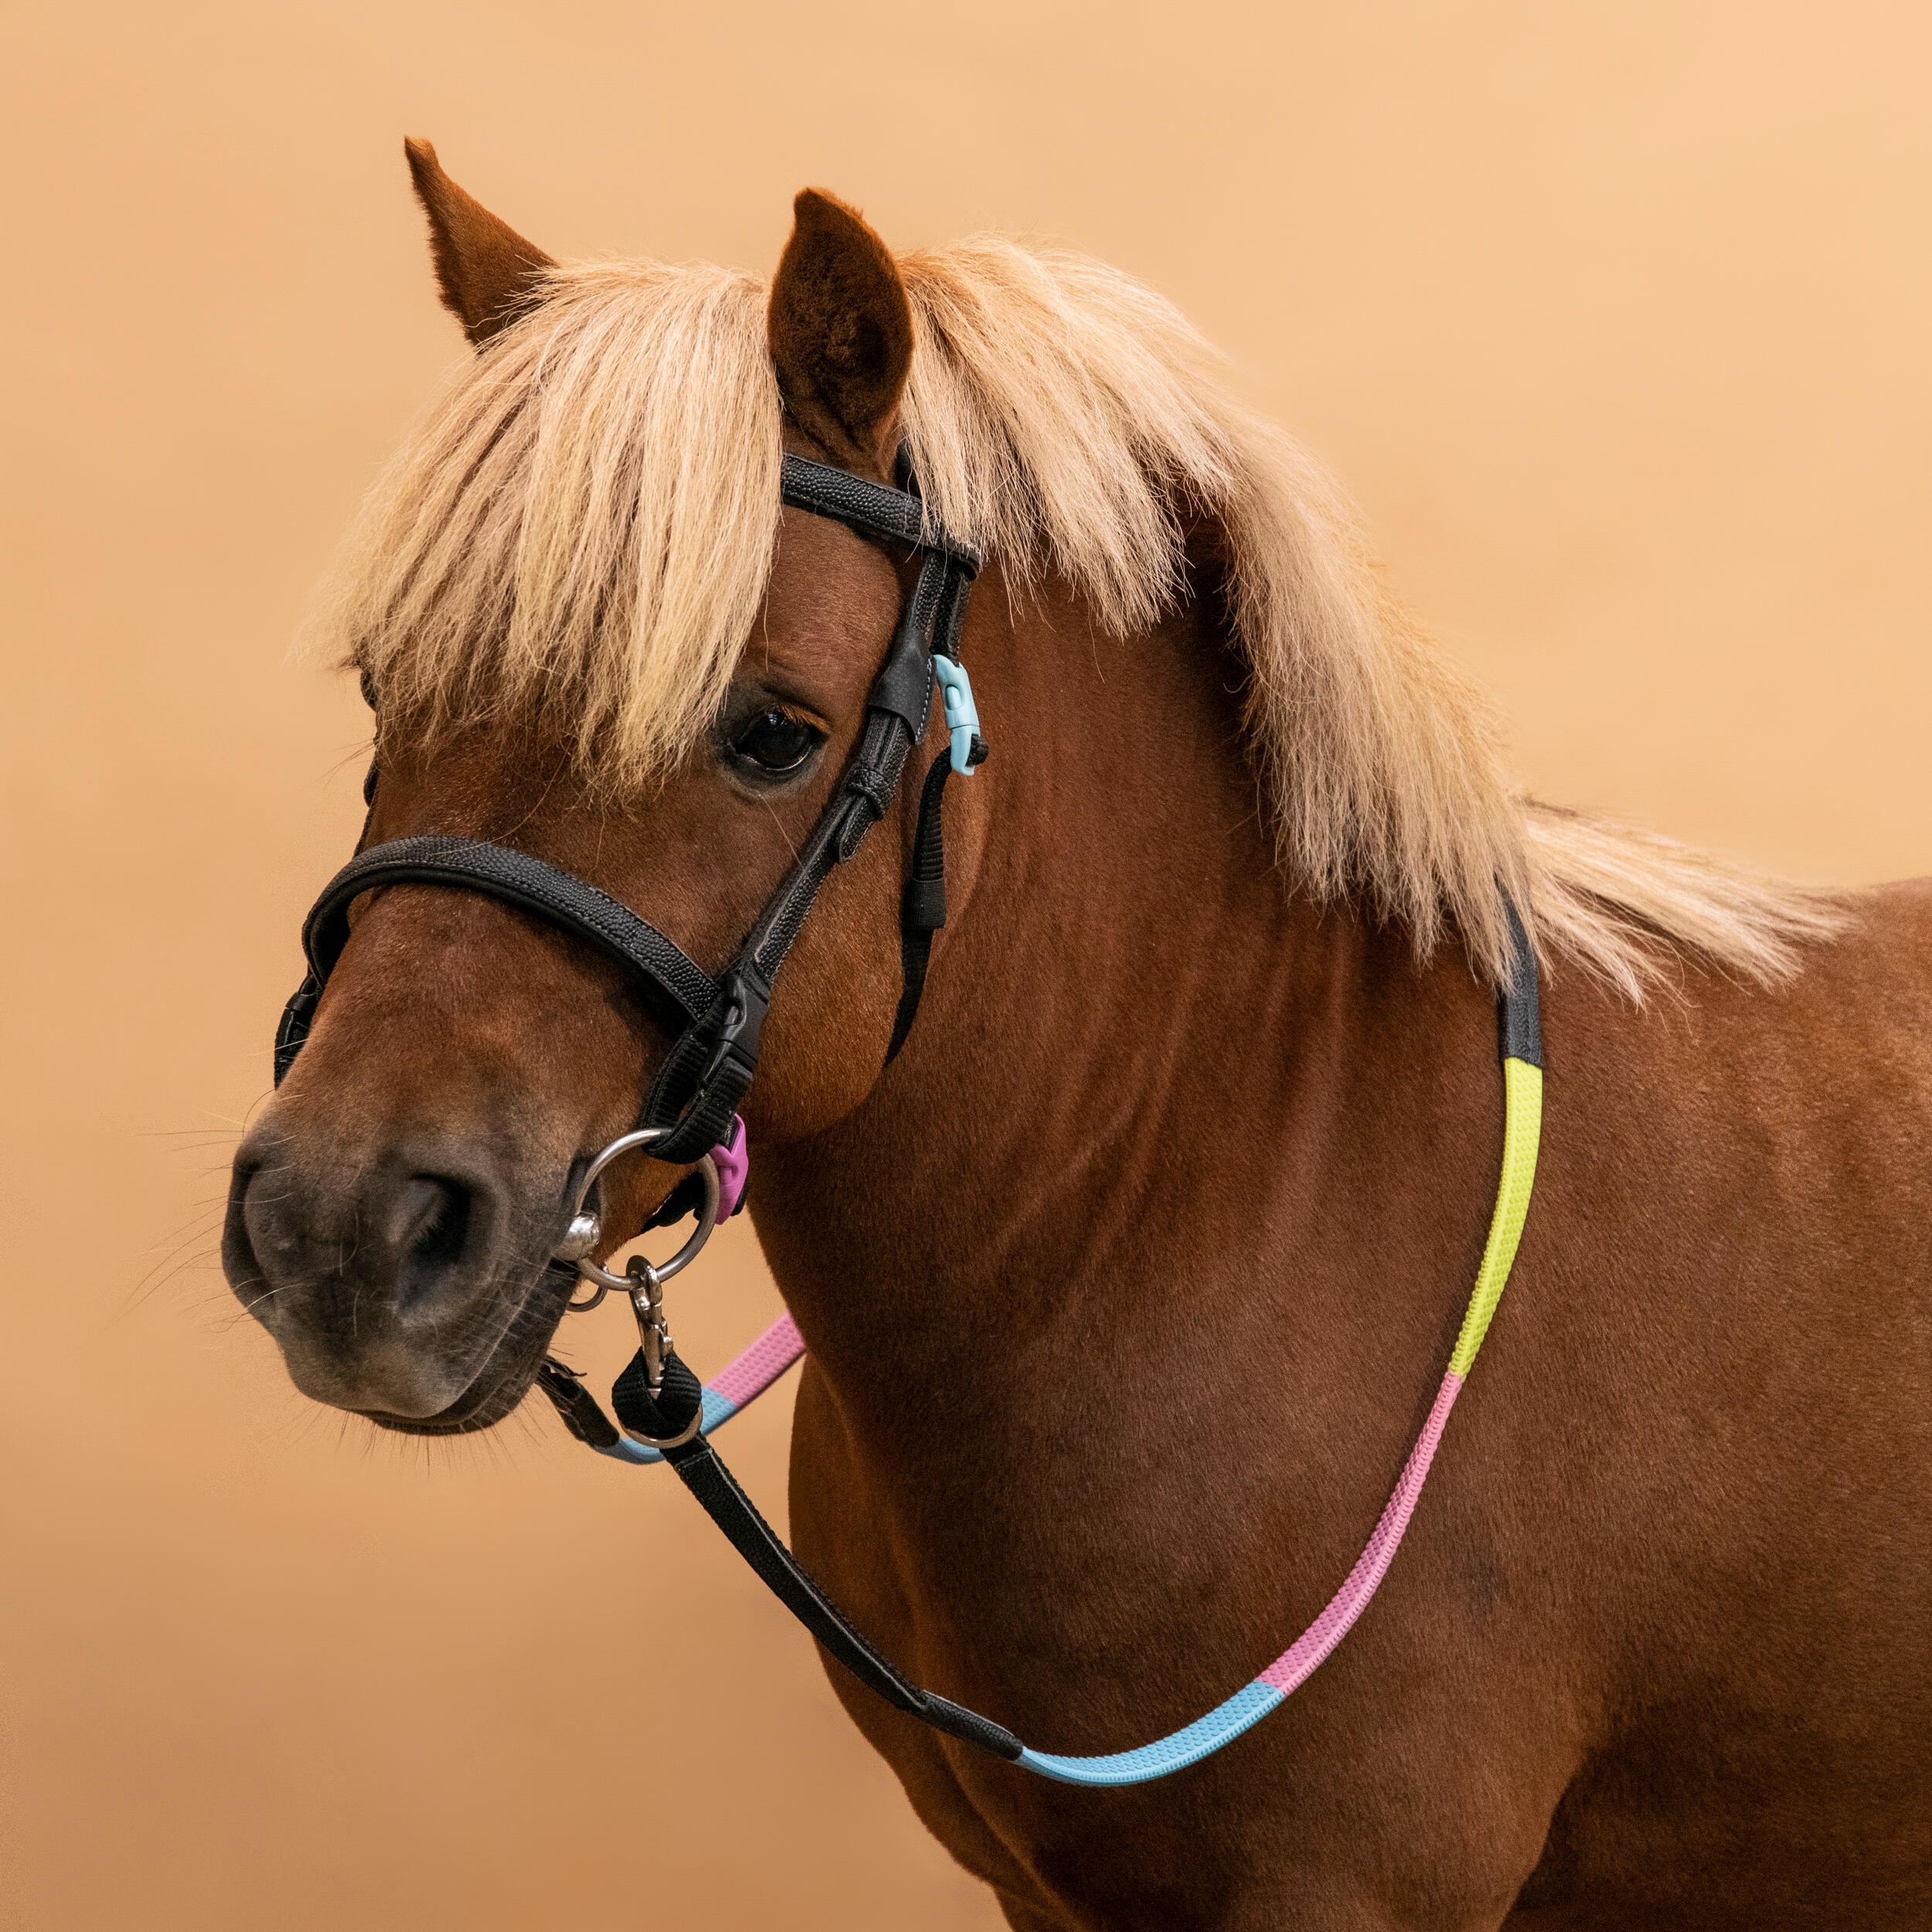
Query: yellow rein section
<point x="1522" y="1135"/>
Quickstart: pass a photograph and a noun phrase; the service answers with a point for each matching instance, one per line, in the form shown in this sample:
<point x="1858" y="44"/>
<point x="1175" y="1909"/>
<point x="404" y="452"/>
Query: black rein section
<point x="1519" y="1030"/>
<point x="734" y="1512"/>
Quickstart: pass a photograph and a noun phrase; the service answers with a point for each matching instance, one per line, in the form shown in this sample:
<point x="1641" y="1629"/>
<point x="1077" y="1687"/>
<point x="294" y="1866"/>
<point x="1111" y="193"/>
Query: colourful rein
<point x="781" y="1346"/>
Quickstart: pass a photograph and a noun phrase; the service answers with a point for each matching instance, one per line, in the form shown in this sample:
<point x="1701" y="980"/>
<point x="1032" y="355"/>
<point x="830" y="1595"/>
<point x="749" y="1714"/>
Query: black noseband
<point x="716" y="1024"/>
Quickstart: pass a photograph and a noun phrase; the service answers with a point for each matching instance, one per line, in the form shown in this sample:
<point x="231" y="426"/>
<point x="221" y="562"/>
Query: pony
<point x="1126" y="1284"/>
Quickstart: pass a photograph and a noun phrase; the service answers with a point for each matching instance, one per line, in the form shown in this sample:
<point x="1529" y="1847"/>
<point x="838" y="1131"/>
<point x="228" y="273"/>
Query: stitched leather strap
<point x="871" y="509"/>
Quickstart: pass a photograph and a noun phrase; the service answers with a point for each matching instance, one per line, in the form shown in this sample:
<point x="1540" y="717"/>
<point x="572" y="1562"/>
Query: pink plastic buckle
<point x="732" y="1160"/>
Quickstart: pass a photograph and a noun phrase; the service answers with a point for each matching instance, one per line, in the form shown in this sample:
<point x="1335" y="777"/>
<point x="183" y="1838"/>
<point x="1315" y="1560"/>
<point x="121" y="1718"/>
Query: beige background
<point x="1615" y="319"/>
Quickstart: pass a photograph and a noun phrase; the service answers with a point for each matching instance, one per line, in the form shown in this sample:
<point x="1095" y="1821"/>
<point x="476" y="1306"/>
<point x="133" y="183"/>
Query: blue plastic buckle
<point x="962" y="715"/>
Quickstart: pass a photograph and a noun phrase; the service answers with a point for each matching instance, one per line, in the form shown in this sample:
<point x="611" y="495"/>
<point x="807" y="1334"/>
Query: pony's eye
<point x="775" y="743"/>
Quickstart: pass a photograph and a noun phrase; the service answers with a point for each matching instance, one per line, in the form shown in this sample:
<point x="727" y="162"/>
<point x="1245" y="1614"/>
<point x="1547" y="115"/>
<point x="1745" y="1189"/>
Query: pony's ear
<point x="841" y="331"/>
<point x="486" y="270"/>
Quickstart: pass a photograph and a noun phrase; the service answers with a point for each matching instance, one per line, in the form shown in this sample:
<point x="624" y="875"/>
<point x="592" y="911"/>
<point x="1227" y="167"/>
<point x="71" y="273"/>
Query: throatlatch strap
<point x="922" y="908"/>
<point x="698" y="1464"/>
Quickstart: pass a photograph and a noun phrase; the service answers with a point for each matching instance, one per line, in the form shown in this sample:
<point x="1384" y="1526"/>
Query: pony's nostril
<point x="435" y="1216"/>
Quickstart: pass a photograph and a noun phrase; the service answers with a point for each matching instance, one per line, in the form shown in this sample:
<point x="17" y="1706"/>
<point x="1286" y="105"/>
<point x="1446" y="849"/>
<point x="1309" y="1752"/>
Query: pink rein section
<point x="774" y="1352"/>
<point x="761" y="1364"/>
<point x="1297" y="1662"/>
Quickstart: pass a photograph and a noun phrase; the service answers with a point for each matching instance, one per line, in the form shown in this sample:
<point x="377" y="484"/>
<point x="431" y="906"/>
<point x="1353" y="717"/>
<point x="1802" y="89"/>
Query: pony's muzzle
<point x="372" y="1283"/>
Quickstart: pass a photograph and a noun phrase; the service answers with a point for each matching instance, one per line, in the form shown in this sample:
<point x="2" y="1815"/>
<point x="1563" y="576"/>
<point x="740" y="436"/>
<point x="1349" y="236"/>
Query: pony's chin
<point x="481" y="1405"/>
<point x="500" y="1383"/>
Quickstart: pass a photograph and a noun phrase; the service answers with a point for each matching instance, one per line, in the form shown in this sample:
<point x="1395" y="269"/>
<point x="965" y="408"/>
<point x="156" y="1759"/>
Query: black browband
<point x="716" y="1022"/>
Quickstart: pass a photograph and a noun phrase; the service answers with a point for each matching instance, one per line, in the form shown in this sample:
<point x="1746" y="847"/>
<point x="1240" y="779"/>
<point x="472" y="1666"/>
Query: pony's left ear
<point x="841" y="331"/>
<point x="487" y="271"/>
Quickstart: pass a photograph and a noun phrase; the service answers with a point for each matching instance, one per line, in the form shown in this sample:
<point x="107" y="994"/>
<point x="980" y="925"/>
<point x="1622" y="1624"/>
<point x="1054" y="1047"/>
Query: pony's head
<point x="587" y="634"/>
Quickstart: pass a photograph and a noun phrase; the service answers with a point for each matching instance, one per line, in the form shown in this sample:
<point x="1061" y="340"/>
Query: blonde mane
<point x="583" y="524"/>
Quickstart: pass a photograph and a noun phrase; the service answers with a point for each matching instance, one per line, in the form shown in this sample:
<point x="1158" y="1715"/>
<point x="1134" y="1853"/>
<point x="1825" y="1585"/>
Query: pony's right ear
<point x="487" y="271"/>
<point x="841" y="331"/>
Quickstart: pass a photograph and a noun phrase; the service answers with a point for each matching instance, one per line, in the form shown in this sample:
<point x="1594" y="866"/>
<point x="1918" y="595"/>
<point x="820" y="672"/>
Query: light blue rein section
<point x="717" y="1412"/>
<point x="1173" y="1753"/>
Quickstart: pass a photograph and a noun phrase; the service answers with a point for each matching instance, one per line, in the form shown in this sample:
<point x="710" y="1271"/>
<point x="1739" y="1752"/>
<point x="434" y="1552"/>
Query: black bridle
<point x="717" y="1023"/>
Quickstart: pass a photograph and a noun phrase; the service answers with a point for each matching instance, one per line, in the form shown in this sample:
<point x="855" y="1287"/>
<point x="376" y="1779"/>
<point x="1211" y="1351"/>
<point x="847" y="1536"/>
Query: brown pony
<point x="1127" y="1283"/>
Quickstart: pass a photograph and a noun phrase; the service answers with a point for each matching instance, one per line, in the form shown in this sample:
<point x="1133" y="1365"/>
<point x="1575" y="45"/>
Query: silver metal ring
<point x="603" y="1279"/>
<point x="690" y="1429"/>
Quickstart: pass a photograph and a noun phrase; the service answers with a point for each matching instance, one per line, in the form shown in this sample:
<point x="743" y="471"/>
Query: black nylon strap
<point x="680" y="1397"/>
<point x="904" y="685"/>
<point x="1519" y="1014"/>
<point x="922" y="910"/>
<point x="922" y="907"/>
<point x="708" y="1070"/>
<point x="717" y="1489"/>
<point x="576" y="1405"/>
<point x="952" y="614"/>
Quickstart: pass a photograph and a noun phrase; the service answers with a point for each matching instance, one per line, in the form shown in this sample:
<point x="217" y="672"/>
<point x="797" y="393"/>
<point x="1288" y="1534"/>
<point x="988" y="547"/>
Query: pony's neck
<point x="1128" y="999"/>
